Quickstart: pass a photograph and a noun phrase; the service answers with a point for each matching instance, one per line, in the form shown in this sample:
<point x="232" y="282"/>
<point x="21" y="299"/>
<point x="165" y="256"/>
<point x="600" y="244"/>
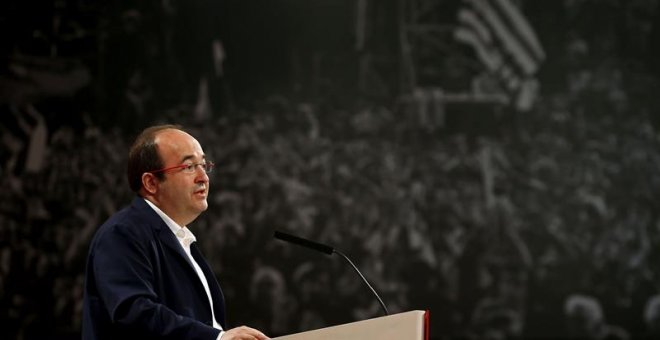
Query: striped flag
<point x="505" y="43"/>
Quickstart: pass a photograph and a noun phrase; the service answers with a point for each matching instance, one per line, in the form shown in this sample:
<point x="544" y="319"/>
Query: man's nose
<point x="202" y="175"/>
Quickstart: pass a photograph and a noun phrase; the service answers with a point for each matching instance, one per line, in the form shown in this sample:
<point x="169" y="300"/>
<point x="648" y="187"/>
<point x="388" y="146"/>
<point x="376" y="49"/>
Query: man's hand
<point x="243" y="333"/>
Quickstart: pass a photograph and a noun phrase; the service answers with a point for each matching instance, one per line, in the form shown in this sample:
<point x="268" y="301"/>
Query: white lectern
<point x="413" y="325"/>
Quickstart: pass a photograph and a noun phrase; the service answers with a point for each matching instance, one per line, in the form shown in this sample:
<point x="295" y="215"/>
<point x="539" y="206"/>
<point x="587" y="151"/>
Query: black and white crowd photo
<point x="493" y="163"/>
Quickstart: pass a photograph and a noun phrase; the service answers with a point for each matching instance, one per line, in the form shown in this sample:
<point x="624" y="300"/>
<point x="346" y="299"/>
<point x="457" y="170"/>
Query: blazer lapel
<point x="168" y="238"/>
<point x="214" y="287"/>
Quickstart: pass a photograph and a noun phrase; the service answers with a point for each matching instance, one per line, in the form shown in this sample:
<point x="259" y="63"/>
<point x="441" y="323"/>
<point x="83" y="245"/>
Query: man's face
<point x="180" y="195"/>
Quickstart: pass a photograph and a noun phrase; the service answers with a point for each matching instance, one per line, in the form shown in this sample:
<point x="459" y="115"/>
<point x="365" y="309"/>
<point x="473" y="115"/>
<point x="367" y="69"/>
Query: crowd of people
<point x="549" y="229"/>
<point x="504" y="225"/>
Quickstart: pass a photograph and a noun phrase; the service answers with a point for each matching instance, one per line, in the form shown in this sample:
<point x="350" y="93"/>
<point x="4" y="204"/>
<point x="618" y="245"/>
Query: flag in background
<point x="505" y="43"/>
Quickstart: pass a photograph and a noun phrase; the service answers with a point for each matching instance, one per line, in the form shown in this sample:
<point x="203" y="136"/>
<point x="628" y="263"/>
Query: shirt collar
<point x="183" y="234"/>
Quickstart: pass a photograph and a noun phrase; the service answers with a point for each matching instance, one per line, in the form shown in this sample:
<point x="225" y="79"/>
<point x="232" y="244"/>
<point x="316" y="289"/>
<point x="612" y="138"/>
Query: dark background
<point x="505" y="224"/>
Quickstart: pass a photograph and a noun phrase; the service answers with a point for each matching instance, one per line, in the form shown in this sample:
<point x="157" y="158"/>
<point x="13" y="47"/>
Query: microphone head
<point x="303" y="242"/>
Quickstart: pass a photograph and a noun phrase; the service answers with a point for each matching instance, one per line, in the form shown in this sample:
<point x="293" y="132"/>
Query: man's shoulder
<point x="136" y="220"/>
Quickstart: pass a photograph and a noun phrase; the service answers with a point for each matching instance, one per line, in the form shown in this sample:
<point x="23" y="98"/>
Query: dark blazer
<point x="140" y="284"/>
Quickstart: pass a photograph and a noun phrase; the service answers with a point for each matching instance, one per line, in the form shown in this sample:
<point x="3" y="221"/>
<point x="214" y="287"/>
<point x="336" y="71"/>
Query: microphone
<point x="327" y="250"/>
<point x="303" y="242"/>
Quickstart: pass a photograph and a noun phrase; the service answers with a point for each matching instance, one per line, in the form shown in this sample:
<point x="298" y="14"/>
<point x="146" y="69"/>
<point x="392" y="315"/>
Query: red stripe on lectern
<point x="427" y="316"/>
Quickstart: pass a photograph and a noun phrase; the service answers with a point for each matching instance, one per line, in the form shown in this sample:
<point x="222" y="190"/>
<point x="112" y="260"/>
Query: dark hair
<point x="144" y="157"/>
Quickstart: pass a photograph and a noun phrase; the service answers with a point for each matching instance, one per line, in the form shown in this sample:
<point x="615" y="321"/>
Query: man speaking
<point x="145" y="276"/>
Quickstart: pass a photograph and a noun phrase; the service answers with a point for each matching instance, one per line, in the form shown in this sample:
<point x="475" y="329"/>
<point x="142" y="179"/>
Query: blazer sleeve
<point x="124" y="278"/>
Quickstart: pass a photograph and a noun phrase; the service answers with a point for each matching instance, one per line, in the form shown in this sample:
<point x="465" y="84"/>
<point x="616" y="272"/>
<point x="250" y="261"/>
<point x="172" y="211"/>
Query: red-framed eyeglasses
<point x="188" y="167"/>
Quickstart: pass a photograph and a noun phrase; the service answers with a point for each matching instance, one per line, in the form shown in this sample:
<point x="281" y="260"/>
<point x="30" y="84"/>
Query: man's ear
<point x="150" y="183"/>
